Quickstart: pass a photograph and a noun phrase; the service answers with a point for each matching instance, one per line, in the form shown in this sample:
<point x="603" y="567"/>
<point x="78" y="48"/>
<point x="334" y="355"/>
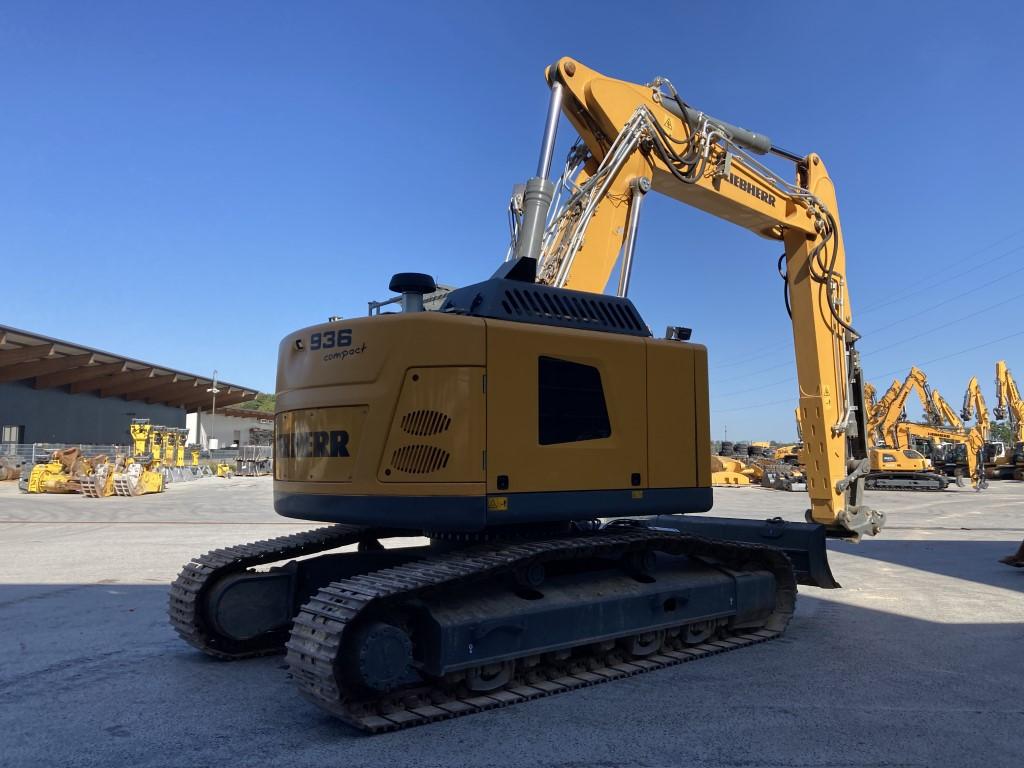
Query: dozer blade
<point x="803" y="543"/>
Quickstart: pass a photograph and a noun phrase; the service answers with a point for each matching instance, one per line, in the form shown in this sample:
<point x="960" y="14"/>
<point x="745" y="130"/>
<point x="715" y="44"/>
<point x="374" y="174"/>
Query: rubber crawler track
<point x="319" y="631"/>
<point x="188" y="590"/>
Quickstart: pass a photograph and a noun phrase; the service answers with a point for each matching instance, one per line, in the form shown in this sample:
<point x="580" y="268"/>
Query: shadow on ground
<point x="976" y="561"/>
<point x="93" y="675"/>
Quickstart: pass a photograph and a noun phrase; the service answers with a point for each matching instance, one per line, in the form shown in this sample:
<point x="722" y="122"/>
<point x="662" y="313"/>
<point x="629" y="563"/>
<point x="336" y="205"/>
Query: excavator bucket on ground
<point x="100" y="483"/>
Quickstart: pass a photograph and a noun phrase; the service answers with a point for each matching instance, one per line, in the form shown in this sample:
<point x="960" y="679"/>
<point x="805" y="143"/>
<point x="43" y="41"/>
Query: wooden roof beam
<point x="47" y="365"/>
<point x="64" y="378"/>
<point x="132" y="390"/>
<point x="111" y="381"/>
<point x="172" y="393"/>
<point x="233" y="397"/>
<point x="34" y="352"/>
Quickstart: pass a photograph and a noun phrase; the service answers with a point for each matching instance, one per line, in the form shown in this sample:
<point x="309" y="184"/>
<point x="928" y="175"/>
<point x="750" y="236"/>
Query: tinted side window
<point x="888" y="458"/>
<point x="572" y="406"/>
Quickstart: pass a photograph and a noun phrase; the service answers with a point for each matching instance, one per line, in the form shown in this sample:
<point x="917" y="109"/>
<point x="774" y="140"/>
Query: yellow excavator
<point x="509" y="423"/>
<point x="1009" y="404"/>
<point x="877" y="412"/>
<point x="895" y="410"/>
<point x="950" y="453"/>
<point x="965" y="452"/>
<point x="895" y="464"/>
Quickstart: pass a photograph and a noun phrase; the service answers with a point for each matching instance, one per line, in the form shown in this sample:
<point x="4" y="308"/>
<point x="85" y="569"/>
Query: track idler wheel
<point x="382" y="656"/>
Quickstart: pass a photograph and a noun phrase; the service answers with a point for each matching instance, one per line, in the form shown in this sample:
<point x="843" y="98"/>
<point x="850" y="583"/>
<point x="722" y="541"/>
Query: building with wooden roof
<point x="55" y="391"/>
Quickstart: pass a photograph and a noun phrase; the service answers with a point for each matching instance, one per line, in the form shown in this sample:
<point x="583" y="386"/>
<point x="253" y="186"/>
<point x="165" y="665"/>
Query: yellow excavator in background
<point x="1010" y="404"/>
<point x="948" y="451"/>
<point x="877" y="412"/>
<point x="506" y="424"/>
<point x="978" y="452"/>
<point x="895" y="412"/>
<point x="895" y="465"/>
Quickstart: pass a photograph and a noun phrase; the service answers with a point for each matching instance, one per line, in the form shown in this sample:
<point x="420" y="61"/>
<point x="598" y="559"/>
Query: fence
<point x="29" y="453"/>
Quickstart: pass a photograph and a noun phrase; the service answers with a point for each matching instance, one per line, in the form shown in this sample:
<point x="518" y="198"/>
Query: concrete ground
<point x="918" y="661"/>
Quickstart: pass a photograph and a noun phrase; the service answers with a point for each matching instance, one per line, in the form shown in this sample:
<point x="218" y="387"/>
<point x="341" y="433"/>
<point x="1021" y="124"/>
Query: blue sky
<point x="187" y="183"/>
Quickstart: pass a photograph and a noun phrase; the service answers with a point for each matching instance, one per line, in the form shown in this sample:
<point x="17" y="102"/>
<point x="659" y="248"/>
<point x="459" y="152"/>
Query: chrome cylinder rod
<point x="540" y="190"/>
<point x="547" y="146"/>
<point x="639" y="186"/>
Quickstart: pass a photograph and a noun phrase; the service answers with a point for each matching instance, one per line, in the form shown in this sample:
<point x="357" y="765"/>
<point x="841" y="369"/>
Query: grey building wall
<point x="56" y="416"/>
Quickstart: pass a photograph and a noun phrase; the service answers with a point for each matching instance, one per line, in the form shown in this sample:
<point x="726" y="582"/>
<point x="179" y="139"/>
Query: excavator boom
<point x="1009" y="403"/>
<point x="916" y="381"/>
<point x="945" y="411"/>
<point x="638" y="138"/>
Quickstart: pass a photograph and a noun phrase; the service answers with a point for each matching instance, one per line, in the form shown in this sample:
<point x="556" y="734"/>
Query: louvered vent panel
<point x="419" y="459"/>
<point x="598" y="312"/>
<point x="425" y="422"/>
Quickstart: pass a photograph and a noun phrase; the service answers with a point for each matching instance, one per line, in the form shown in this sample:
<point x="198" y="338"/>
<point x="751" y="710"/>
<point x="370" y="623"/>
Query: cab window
<point x="571" y="399"/>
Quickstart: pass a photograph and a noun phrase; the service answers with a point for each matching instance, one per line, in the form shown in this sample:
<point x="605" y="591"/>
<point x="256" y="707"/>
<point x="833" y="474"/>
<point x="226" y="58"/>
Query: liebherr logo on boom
<point x="750" y="189"/>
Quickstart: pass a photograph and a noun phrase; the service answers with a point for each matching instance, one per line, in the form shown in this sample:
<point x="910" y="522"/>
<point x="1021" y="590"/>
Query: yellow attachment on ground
<point x="140" y="473"/>
<point x="225" y="470"/>
<point x="783" y="452"/>
<point x="60" y="474"/>
<point x="136" y="480"/>
<point x="180" y="436"/>
<point x="141" y="431"/>
<point x="100" y="483"/>
<point x="725" y="471"/>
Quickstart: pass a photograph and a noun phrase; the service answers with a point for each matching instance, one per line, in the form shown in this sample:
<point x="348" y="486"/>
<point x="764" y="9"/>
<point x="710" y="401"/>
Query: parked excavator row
<point x="954" y="447"/>
<point x="925" y="455"/>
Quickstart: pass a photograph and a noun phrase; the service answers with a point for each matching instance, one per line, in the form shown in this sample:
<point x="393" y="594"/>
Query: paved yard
<point x="918" y="661"/>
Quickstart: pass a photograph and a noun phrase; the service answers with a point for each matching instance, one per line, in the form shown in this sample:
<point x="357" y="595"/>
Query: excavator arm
<point x="638" y="138"/>
<point x="974" y="406"/>
<point x="878" y="412"/>
<point x="916" y="381"/>
<point x="945" y="410"/>
<point x="1008" y="400"/>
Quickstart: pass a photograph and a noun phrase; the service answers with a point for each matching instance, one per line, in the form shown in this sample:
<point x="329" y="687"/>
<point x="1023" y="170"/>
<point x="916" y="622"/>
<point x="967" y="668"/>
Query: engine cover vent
<point x="419" y="459"/>
<point x="527" y="302"/>
<point x="425" y="422"/>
